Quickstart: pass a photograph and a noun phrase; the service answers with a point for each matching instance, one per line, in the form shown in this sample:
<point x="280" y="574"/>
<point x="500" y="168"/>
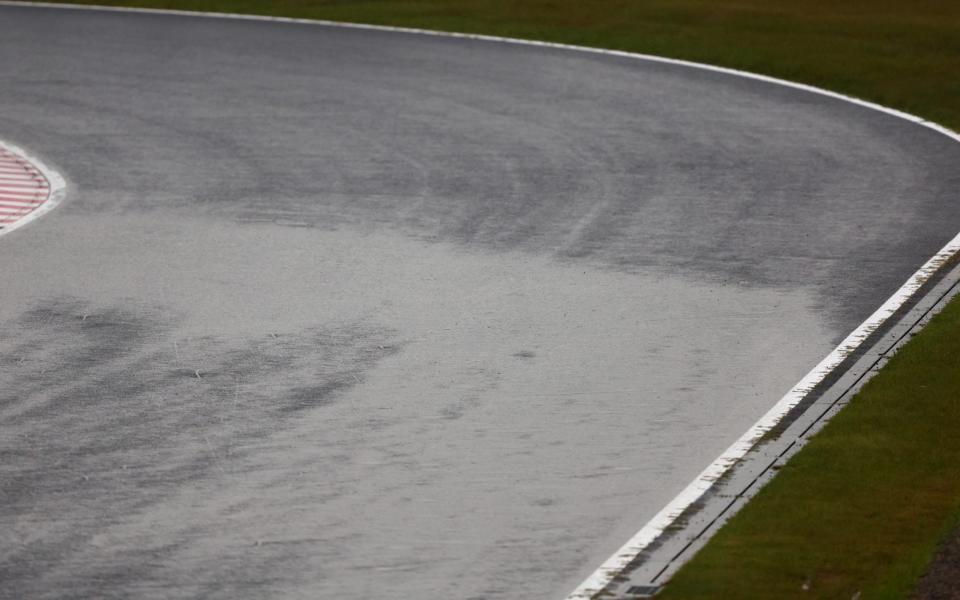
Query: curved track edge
<point x="675" y="515"/>
<point x="26" y="196"/>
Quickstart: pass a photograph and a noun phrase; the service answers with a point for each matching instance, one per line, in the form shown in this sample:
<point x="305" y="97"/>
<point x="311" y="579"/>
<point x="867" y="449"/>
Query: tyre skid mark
<point x="597" y="584"/>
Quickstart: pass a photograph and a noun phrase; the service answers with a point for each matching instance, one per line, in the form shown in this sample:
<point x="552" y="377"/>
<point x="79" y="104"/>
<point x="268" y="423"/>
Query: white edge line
<point x="614" y="565"/>
<point x="57" y="187"/>
<point x="602" y="577"/>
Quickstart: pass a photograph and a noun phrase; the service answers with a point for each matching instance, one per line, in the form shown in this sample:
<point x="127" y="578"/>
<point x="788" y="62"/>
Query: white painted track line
<point x="597" y="581"/>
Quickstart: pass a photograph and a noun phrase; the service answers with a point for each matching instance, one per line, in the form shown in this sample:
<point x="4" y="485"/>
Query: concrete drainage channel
<point x="28" y="188"/>
<point x="650" y="570"/>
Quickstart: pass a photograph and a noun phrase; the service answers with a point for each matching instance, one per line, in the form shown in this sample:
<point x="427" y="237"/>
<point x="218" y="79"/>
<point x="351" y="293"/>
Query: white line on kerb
<point x="602" y="577"/>
<point x="56" y="188"/>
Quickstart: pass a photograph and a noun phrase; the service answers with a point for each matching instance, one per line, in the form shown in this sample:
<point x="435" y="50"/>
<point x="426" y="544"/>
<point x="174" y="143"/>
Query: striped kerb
<point x="23" y="188"/>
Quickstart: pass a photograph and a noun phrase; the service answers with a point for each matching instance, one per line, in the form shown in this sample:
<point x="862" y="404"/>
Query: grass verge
<point x="860" y="509"/>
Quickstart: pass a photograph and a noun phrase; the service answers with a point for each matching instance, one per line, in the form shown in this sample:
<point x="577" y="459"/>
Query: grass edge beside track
<point x="861" y="508"/>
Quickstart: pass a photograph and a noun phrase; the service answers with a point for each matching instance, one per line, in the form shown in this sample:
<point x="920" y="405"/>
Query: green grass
<point x="863" y="506"/>
<point x="860" y="508"/>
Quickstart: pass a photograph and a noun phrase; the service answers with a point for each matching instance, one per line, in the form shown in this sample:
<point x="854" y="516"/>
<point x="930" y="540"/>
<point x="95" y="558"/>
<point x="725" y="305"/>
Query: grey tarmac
<point x="333" y="313"/>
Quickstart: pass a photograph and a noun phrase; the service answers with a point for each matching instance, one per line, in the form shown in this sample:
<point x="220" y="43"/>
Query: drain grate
<point x="643" y="591"/>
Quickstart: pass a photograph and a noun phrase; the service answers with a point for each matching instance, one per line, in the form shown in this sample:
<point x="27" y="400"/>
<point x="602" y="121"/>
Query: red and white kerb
<point x="23" y="188"/>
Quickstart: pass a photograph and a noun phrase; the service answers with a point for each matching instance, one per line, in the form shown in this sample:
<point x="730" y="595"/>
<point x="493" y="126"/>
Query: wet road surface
<point x="333" y="313"/>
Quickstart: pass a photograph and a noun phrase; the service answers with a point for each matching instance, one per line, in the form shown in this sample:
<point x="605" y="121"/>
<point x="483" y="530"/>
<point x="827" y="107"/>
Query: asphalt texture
<point x="332" y="313"/>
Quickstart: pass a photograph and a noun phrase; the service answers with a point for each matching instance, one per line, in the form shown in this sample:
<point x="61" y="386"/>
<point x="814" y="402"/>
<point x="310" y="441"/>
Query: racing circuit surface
<point x="339" y="313"/>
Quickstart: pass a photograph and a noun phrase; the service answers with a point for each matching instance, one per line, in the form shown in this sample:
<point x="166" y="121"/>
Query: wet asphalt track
<point x="346" y="314"/>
